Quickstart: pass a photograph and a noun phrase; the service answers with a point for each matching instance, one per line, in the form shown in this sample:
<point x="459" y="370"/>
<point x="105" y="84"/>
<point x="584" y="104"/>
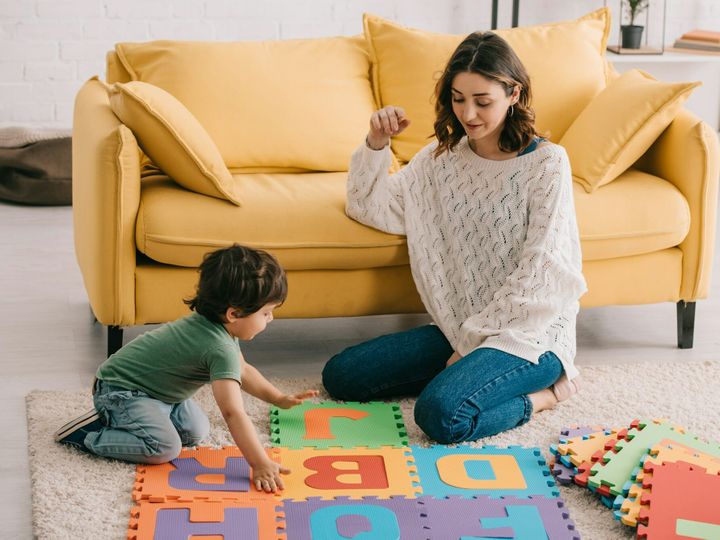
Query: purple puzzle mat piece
<point x="505" y="517"/>
<point x="396" y="517"/>
<point x="236" y="472"/>
<point x="562" y="473"/>
<point x="577" y="431"/>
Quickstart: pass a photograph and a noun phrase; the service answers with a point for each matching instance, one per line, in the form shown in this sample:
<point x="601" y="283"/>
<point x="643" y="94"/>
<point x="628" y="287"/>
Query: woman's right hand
<point x="385" y="123"/>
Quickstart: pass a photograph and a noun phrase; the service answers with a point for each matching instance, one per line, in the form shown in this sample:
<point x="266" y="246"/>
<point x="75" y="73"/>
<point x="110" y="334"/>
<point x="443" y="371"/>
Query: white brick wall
<point x="48" y="48"/>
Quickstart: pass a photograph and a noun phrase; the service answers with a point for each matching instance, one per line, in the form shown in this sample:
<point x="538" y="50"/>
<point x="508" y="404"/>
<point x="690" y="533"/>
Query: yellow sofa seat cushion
<point x="638" y="213"/>
<point x="301" y="104"/>
<point x="300" y="218"/>
<point x="565" y="61"/>
<point x="173" y="138"/>
<point x="620" y="124"/>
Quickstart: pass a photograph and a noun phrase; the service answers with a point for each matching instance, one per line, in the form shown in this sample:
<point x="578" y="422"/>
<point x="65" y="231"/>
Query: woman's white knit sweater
<point x="494" y="247"/>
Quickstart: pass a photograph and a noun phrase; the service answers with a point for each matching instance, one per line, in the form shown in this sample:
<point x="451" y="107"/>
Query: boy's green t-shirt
<point x="172" y="362"/>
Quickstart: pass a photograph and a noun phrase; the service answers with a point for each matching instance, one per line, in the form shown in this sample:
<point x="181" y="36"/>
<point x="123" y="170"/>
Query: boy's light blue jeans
<point x="142" y="429"/>
<point x="482" y="394"/>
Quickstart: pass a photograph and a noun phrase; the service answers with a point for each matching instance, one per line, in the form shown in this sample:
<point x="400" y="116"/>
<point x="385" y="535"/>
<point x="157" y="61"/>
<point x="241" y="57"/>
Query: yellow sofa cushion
<point x="173" y="138"/>
<point x="565" y="61"/>
<point x="300" y="218"/>
<point x="638" y="213"/>
<point x="307" y="228"/>
<point x="301" y="104"/>
<point x="620" y="124"/>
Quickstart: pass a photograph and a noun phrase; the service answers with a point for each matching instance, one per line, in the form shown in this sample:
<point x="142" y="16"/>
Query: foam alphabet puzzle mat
<point x="339" y="488"/>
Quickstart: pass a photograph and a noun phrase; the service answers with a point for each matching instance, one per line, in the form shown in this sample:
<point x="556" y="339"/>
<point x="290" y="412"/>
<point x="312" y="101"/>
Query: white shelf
<point x="704" y="101"/>
<point x="668" y="57"/>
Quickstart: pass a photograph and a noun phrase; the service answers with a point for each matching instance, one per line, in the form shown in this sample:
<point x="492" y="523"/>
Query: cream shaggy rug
<point x="77" y="496"/>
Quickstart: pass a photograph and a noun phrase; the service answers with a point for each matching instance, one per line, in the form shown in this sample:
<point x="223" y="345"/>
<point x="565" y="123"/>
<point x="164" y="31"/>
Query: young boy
<point x="142" y="395"/>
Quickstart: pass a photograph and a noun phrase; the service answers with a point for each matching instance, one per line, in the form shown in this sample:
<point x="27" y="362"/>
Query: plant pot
<point x="631" y="36"/>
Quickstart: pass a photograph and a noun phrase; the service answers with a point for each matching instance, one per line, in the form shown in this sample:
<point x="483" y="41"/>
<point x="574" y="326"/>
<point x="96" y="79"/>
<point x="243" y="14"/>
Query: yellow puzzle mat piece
<point x="352" y="472"/>
<point x="582" y="448"/>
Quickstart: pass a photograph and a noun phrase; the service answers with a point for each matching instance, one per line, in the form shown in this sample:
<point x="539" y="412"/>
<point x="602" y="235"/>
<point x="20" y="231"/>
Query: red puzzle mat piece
<point x="680" y="494"/>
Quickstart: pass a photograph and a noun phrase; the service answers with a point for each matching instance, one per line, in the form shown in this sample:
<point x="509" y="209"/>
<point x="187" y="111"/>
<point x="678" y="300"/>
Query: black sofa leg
<point x="115" y="339"/>
<point x="685" y="324"/>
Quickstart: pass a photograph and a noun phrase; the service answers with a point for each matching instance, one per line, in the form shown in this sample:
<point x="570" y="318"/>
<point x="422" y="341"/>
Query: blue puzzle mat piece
<point x="489" y="470"/>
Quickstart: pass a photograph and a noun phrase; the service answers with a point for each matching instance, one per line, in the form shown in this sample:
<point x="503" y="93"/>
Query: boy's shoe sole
<point x="76" y="424"/>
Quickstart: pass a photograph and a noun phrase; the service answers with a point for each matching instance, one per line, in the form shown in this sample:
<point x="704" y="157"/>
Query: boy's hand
<point x="290" y="400"/>
<point x="385" y="123"/>
<point x="267" y="476"/>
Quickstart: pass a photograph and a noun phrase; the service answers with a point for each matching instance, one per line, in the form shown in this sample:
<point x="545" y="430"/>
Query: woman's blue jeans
<point x="484" y="393"/>
<point x="142" y="429"/>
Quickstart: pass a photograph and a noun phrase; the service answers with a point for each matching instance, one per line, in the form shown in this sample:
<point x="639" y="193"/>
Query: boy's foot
<point x="74" y="432"/>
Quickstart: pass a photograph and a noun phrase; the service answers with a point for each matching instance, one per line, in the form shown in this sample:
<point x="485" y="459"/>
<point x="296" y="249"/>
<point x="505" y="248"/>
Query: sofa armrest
<point x="106" y="197"/>
<point x="687" y="155"/>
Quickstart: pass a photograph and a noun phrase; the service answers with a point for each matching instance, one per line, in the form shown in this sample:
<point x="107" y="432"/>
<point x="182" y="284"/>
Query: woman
<point x="489" y="217"/>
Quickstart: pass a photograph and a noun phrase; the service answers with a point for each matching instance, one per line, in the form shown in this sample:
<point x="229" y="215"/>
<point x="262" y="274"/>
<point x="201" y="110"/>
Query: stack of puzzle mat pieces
<point x="653" y="475"/>
<point x="353" y="475"/>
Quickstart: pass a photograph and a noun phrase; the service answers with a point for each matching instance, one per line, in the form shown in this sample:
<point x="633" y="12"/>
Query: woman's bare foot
<point x="565" y="388"/>
<point x="543" y="400"/>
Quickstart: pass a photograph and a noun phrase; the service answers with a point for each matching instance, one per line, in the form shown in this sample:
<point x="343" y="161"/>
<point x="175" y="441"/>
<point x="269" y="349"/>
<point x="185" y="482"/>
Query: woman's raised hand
<point x="385" y="123"/>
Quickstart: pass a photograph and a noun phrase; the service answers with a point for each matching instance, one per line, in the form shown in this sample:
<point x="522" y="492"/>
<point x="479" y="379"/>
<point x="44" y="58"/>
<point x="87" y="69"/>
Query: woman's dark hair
<point x="239" y="277"/>
<point x="489" y="55"/>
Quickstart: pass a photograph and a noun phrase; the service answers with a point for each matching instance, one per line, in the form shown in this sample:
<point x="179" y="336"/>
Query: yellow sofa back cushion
<point x="565" y="61"/>
<point x="302" y="104"/>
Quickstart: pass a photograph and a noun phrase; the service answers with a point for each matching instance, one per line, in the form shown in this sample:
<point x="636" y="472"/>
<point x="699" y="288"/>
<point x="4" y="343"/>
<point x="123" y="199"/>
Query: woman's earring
<point x="511" y="111"/>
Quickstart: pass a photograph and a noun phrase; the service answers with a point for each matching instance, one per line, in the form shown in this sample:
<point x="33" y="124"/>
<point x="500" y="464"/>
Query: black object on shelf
<point x="515" y="14"/>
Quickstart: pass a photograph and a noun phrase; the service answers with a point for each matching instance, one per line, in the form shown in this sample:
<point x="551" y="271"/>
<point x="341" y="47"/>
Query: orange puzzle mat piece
<point x="186" y="518"/>
<point x="353" y="472"/>
<point x="201" y="473"/>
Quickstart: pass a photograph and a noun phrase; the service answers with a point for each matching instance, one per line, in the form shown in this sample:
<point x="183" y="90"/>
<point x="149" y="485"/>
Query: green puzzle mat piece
<point x="345" y="425"/>
<point x="619" y="465"/>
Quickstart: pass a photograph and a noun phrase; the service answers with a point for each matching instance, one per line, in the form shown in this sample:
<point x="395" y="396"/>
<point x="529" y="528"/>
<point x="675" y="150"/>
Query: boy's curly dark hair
<point x="239" y="277"/>
<point x="489" y="55"/>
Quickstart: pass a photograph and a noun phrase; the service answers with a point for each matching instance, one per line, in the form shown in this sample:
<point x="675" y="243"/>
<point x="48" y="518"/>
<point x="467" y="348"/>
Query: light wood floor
<point x="48" y="340"/>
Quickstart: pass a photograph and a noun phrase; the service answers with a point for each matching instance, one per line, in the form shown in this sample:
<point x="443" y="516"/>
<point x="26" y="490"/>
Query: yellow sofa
<point x="286" y="116"/>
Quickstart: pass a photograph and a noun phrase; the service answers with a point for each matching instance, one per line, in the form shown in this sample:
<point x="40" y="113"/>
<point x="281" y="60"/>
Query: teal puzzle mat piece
<point x="619" y="465"/>
<point x="489" y="470"/>
<point x="331" y="425"/>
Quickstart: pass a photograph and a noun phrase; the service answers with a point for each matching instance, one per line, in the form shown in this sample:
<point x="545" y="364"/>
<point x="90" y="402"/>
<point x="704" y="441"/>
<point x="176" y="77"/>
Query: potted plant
<point x="632" y="33"/>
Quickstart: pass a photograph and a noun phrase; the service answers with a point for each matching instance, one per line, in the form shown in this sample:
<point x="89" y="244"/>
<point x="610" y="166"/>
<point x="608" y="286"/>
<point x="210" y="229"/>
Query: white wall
<point x="48" y="48"/>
